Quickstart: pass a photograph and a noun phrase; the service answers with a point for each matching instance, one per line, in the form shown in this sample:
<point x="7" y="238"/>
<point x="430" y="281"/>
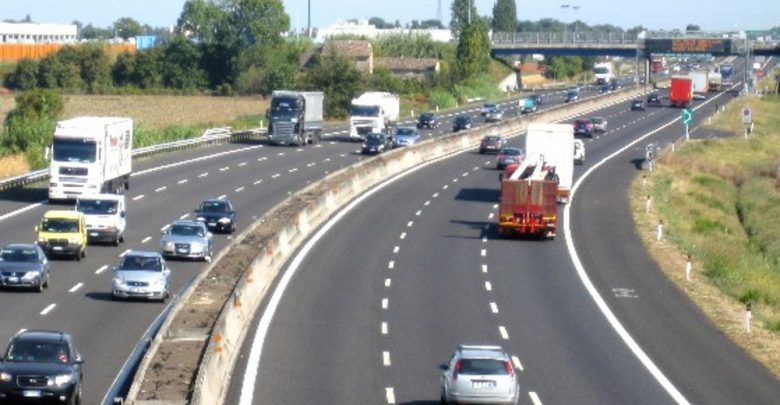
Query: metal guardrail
<point x="210" y="136"/>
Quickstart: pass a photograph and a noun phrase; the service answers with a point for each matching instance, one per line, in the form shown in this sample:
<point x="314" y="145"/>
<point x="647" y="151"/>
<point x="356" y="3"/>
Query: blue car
<point x="405" y="136"/>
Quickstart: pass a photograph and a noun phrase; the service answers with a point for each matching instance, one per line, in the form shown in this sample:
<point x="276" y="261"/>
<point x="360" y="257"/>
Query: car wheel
<point x="79" y="255"/>
<point x="46" y="283"/>
<point x="207" y="258"/>
<point x="84" y="252"/>
<point x="443" y="398"/>
<point x="39" y="287"/>
<point x="115" y="242"/>
<point x="232" y="227"/>
<point x="122" y="238"/>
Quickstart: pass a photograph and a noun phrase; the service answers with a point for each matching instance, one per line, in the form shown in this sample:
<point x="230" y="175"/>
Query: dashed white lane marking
<point x="504" y="334"/>
<point x="465" y="174"/>
<point x="409" y="224"/>
<point x="493" y="308"/>
<point x="48" y="309"/>
<point x="388" y="282"/>
<point x="124" y="253"/>
<point x="102" y="269"/>
<point x="260" y="159"/>
<point x="182" y="181"/>
<point x="257" y="182"/>
<point x="184" y="216"/>
<point x="454" y="180"/>
<point x="386" y="359"/>
<point x="275" y="175"/>
<point x="165" y="228"/>
<point x="158" y="189"/>
<point x="280" y="154"/>
<point x="385" y="303"/>
<point x="222" y="197"/>
<point x="76" y="287"/>
<point x="534" y="398"/>
<point x="427" y="203"/>
<point x="343" y="155"/>
<point x="146" y="239"/>
<point x="495" y="206"/>
<point x="390" y="395"/>
<point x="488" y="286"/>
<point x="491" y="215"/>
<point x="240" y="189"/>
<point x="403" y="235"/>
<point x="293" y="170"/>
<point x="224" y="169"/>
<point x="242" y="164"/>
<point x="483" y="252"/>
<point x="418" y="213"/>
<point x="517" y="363"/>
<point x="138" y="197"/>
<point x="326" y="160"/>
<point x="484" y="268"/>
<point x="445" y="187"/>
<point x="391" y="264"/>
<point x="435" y="195"/>
<point x="384" y="328"/>
<point x="396" y="249"/>
<point x="203" y="174"/>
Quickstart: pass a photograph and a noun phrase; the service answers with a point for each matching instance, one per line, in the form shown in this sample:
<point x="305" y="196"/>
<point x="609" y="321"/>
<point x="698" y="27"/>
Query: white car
<point x="479" y="375"/>
<point x="143" y="275"/>
<point x="105" y="217"/>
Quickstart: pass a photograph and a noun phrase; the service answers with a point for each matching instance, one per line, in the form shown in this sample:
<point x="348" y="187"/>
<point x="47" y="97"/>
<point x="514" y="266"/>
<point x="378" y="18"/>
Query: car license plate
<point x="483" y="384"/>
<point x="13" y="280"/>
<point x="182" y="250"/>
<point x="137" y="290"/>
<point x="93" y="234"/>
<point x="57" y="248"/>
<point x="212" y="224"/>
<point x="31" y="393"/>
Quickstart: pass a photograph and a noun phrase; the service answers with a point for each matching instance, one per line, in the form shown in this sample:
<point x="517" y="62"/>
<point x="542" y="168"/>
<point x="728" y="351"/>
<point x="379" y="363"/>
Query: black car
<point x="462" y="122"/>
<point x="606" y="88"/>
<point x="376" y="143"/>
<point x="428" y="120"/>
<point x="23" y="265"/>
<point x="217" y="214"/>
<point x="637" y="105"/>
<point x="571" y="95"/>
<point x="41" y="366"/>
<point x="615" y="85"/>
<point x="537" y="99"/>
<point x="653" y="98"/>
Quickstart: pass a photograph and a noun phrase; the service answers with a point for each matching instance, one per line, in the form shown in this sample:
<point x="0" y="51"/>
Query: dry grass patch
<point x="13" y="165"/>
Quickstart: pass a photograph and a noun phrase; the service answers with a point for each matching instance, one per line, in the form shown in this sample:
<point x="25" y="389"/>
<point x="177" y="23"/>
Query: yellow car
<point x="63" y="233"/>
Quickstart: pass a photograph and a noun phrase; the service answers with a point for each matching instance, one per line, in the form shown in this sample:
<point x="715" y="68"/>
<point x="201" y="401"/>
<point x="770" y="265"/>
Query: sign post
<point x="747" y="119"/>
<point x="687" y="116"/>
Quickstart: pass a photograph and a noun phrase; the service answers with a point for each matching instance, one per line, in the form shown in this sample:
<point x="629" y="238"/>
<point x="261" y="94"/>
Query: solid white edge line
<point x="534" y="398"/>
<point x="591" y="288"/>
<point x="390" y="395"/>
<point x="255" y="354"/>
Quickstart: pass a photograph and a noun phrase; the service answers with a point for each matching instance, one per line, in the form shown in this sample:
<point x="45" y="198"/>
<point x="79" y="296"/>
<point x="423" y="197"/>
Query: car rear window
<point x="596" y="120"/>
<point x="483" y="367"/>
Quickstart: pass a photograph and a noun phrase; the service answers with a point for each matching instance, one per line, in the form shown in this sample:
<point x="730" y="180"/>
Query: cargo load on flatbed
<point x="528" y="207"/>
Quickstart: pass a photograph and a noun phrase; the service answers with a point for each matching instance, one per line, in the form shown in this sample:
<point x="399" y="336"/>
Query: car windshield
<point x="492" y="139"/>
<point x="374" y="138"/>
<point x="18" y="255"/>
<point x="74" y="150"/>
<point x="59" y="225"/>
<point x="187" y="230"/>
<point x="284" y="107"/>
<point x="489" y="106"/>
<point x="104" y="207"/>
<point x="364" y="111"/>
<point x="140" y="263"/>
<point x="482" y="367"/>
<point x="511" y="151"/>
<point x="37" y="352"/>
<point x="405" y="132"/>
<point x="213" y="206"/>
<point x="581" y="123"/>
<point x="462" y="120"/>
<point x="426" y="116"/>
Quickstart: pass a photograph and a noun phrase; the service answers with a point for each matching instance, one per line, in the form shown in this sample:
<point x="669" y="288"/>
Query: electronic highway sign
<point x="689" y="46"/>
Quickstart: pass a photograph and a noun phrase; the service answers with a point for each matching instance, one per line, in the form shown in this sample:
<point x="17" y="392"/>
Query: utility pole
<point x="565" y="7"/>
<point x="575" y="8"/>
<point x="308" y="26"/>
<point x="438" y="13"/>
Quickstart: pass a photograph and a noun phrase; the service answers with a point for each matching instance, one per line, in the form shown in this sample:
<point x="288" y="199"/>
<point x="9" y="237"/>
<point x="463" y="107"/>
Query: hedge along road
<point x="253" y="176"/>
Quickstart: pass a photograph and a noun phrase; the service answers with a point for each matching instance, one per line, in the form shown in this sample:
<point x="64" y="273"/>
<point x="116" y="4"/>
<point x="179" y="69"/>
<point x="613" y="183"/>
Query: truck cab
<point x="295" y="118"/>
<point x="62" y="233"/>
<point x="106" y="217"/>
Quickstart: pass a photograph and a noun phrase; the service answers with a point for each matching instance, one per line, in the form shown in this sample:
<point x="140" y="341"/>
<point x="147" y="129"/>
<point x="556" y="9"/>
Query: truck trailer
<point x="295" y="117"/>
<point x="701" y="84"/>
<point x="681" y="91"/>
<point x="553" y="144"/>
<point x="528" y="203"/>
<point x="373" y="112"/>
<point x="90" y="155"/>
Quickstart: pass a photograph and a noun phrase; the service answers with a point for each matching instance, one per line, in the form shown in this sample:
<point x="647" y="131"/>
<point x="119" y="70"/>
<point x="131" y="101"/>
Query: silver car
<point x="141" y="275"/>
<point x="187" y="239"/>
<point x="23" y="265"/>
<point x="599" y="124"/>
<point x="494" y="115"/>
<point x="479" y="375"/>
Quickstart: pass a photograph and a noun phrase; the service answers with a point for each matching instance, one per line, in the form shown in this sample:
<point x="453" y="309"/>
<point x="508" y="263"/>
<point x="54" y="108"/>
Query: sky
<point x="710" y="15"/>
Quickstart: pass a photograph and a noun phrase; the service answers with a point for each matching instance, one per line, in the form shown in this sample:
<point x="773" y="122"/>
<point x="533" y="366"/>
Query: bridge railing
<point x="563" y="38"/>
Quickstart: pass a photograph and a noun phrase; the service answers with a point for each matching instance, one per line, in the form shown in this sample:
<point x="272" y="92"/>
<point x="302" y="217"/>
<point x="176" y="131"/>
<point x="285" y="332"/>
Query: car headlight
<point x="224" y="220"/>
<point x="5" y="377"/>
<point x="117" y="281"/>
<point x="30" y="274"/>
<point x="63" y="379"/>
<point x="41" y="240"/>
<point x="158" y="282"/>
<point x="167" y="245"/>
<point x="196" y="246"/>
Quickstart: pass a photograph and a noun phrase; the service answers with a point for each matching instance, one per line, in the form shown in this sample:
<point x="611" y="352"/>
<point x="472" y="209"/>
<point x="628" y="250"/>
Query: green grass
<point x="721" y="202"/>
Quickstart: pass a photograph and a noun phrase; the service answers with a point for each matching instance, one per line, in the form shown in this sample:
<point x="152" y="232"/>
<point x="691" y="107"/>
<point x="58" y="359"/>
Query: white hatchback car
<point x="479" y="375"/>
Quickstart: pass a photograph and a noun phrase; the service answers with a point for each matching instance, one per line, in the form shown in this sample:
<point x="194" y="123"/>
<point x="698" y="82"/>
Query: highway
<point x="417" y="268"/>
<point x="164" y="188"/>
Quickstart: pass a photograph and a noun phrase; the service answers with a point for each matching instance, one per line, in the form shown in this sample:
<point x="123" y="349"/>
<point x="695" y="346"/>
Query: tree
<point x="181" y="66"/>
<point x="24" y="77"/>
<point x="473" y="51"/>
<point x="504" y="16"/>
<point x="260" y="22"/>
<point x="90" y="32"/>
<point x="201" y="20"/>
<point x="463" y="11"/>
<point x="95" y="67"/>
<point x="127" y="27"/>
<point x="30" y="125"/>
<point x="338" y="78"/>
<point x="692" y="27"/>
<point x="380" y="22"/>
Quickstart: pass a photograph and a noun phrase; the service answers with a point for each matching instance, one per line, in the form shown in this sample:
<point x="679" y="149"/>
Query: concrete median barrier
<point x="191" y="358"/>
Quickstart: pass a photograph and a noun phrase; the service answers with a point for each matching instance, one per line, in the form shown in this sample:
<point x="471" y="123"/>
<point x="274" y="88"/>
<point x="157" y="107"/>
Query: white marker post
<point x="648" y="203"/>
<point x="688" y="268"/>
<point x="644" y="181"/>
<point x="748" y="317"/>
<point x="660" y="233"/>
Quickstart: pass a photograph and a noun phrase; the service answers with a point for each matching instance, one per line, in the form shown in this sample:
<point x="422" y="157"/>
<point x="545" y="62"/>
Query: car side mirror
<point x="35" y="228"/>
<point x="444" y="367"/>
<point x="122" y="214"/>
<point x="209" y="235"/>
<point x="77" y="359"/>
<point x="167" y="272"/>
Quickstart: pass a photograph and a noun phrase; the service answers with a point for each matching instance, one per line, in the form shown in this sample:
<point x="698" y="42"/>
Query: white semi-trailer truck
<point x="373" y="112"/>
<point x="90" y="155"/>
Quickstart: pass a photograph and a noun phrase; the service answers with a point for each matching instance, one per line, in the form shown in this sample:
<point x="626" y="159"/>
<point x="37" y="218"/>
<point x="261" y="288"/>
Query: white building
<point x="33" y="33"/>
<point x="369" y="31"/>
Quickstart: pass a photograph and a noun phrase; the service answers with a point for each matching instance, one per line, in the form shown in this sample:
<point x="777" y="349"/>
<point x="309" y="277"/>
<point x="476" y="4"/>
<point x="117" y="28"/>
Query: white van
<point x="105" y="216"/>
<point x="579" y="152"/>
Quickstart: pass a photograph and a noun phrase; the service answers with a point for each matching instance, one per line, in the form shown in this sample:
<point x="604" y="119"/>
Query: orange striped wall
<point x="14" y="52"/>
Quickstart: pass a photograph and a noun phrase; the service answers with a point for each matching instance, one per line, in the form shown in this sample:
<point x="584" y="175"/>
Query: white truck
<point x="701" y="83"/>
<point x="553" y="144"/>
<point x="716" y="81"/>
<point x="105" y="216"/>
<point x="90" y="155"/>
<point x="603" y="72"/>
<point x="373" y="111"/>
<point x="295" y="117"/>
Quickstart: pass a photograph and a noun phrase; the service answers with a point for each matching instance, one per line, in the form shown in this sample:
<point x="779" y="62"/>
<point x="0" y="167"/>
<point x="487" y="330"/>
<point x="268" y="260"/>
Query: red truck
<point x="681" y="91"/>
<point x="528" y="208"/>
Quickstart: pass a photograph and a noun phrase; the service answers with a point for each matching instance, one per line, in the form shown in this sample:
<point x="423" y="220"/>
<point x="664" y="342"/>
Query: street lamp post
<point x="575" y="8"/>
<point x="565" y="7"/>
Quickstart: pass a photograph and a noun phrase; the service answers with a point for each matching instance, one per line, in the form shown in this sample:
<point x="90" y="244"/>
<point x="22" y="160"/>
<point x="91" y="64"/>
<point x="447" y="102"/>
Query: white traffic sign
<point x="747" y="116"/>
